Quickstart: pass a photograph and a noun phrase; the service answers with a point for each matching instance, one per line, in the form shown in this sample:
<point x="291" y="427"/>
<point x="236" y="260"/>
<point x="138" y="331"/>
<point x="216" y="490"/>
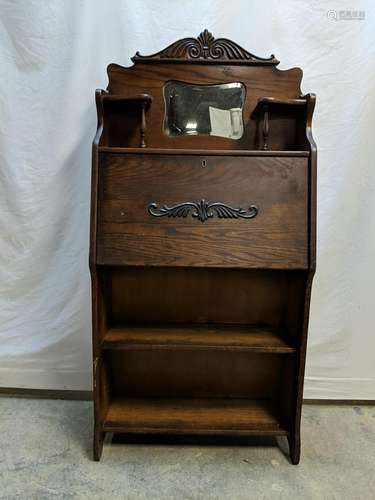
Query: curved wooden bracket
<point x="310" y="101"/>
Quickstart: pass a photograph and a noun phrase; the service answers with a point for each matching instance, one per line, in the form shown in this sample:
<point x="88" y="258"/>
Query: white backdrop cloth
<point x="53" y="54"/>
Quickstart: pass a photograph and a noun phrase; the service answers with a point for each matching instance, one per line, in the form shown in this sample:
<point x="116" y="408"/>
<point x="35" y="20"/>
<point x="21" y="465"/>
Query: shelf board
<point x="121" y="98"/>
<point x="287" y="102"/>
<point x="186" y="416"/>
<point x="204" y="337"/>
<point x="201" y="152"/>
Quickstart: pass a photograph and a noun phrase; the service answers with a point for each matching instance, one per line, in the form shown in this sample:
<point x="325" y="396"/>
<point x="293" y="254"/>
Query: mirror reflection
<point x="204" y="109"/>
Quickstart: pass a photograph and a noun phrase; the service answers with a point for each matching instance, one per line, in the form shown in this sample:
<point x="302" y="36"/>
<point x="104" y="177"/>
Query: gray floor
<point x="45" y="453"/>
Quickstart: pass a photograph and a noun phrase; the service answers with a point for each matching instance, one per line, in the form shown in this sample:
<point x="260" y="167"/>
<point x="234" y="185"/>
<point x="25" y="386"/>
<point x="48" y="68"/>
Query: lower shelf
<point x="192" y="416"/>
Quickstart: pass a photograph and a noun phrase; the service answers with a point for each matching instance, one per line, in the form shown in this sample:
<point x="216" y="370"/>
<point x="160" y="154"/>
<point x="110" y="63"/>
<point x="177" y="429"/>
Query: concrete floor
<point x="45" y="453"/>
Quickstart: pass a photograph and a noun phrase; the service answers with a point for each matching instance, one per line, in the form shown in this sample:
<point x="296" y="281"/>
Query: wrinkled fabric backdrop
<point x="53" y="54"/>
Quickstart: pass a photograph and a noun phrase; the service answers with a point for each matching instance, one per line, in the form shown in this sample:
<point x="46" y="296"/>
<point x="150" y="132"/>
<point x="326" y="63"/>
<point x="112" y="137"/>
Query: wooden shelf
<point x="285" y="102"/>
<point x="198" y="416"/>
<point x="202" y="152"/>
<point x="205" y="337"/>
<point x="120" y="98"/>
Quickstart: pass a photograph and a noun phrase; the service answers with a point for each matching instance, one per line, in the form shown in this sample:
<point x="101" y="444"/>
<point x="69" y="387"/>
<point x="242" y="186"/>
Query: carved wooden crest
<point x="206" y="49"/>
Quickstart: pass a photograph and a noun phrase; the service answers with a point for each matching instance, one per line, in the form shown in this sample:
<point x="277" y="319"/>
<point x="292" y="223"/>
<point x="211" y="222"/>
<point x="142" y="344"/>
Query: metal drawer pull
<point x="203" y="210"/>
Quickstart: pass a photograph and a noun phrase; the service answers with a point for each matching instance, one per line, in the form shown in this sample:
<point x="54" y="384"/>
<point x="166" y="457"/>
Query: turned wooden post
<point x="265" y="127"/>
<point x="143" y="124"/>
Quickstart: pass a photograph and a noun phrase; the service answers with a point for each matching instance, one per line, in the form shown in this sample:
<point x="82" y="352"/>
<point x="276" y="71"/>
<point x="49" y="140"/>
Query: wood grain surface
<point x="205" y="295"/>
<point x="259" y="82"/>
<point x="201" y="416"/>
<point x="207" y="337"/>
<point x="195" y="373"/>
<point x="275" y="238"/>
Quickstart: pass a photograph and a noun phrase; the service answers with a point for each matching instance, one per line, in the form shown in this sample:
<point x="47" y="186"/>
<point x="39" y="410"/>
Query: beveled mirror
<point x="204" y="109"/>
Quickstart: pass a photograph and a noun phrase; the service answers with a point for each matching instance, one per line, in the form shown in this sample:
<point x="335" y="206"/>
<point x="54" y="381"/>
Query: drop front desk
<point x="202" y="244"/>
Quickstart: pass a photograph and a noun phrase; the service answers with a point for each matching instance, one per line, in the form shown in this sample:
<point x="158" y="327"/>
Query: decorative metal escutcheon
<point x="203" y="210"/>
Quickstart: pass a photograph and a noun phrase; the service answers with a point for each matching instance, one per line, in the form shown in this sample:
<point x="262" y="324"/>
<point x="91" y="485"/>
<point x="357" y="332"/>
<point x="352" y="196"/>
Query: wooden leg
<point x="294" y="448"/>
<point x="98" y="444"/>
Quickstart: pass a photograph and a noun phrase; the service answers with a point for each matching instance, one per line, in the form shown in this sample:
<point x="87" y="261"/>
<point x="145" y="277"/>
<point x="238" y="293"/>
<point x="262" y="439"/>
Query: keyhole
<point x="204" y="164"/>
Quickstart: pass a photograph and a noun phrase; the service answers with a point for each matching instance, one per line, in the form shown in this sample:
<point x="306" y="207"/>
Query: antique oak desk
<point x="202" y="244"/>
